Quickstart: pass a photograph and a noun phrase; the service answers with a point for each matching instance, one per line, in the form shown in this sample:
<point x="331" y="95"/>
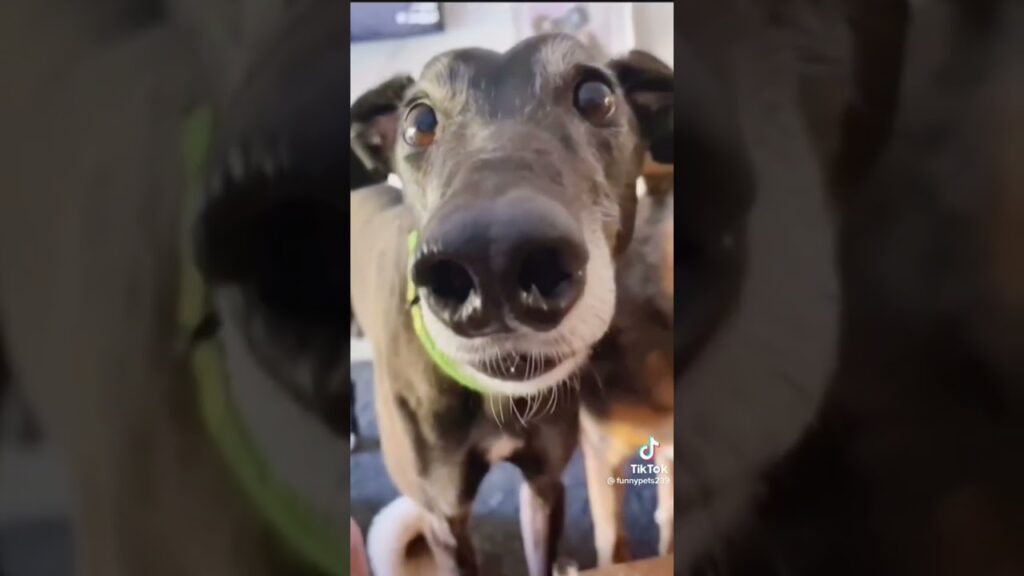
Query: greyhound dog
<point x="91" y="255"/>
<point x="912" y="465"/>
<point x="485" y="282"/>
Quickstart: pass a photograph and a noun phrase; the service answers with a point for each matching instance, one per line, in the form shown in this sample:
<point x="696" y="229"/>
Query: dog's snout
<point x="518" y="259"/>
<point x="547" y="282"/>
<point x="454" y="293"/>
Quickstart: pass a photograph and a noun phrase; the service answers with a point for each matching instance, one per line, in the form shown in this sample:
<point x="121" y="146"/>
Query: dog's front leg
<point x="606" y="497"/>
<point x="664" y="515"/>
<point x="449" y="540"/>
<point x="541" y="511"/>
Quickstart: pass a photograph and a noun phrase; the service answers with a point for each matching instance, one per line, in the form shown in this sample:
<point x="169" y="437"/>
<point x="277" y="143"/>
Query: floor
<point x="496" y="509"/>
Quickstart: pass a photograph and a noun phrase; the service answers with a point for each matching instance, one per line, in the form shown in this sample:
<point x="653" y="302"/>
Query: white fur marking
<point x="389" y="536"/>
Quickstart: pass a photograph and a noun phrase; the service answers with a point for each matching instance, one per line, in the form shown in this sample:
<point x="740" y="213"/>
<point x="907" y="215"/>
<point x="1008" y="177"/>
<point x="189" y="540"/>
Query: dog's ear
<point x="649" y="85"/>
<point x="374" y="126"/>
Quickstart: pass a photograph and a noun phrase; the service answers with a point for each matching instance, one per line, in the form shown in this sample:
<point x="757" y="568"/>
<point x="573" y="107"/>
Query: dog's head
<point x="521" y="170"/>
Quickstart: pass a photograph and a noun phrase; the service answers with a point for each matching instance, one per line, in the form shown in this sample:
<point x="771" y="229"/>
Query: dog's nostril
<point x="449" y="281"/>
<point x="545" y="273"/>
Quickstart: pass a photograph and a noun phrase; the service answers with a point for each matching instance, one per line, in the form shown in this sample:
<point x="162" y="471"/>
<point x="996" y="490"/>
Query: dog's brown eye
<point x="420" y="126"/>
<point x="594" y="100"/>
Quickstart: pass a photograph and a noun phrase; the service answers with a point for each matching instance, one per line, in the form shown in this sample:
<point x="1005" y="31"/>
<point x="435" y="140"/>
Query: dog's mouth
<point x="517" y="367"/>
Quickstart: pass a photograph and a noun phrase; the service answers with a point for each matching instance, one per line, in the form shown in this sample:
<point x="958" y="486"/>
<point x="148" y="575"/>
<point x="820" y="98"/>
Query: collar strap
<point x="443" y="363"/>
<point x="307" y="536"/>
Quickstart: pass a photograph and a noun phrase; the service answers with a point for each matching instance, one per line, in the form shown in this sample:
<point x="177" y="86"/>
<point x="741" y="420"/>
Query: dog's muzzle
<point x="497" y="265"/>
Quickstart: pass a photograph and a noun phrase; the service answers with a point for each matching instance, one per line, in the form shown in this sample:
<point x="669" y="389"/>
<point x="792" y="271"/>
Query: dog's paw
<point x="565" y="567"/>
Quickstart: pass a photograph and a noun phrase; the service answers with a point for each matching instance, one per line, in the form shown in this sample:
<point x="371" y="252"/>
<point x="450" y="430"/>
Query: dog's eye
<point x="420" y="126"/>
<point x="594" y="100"/>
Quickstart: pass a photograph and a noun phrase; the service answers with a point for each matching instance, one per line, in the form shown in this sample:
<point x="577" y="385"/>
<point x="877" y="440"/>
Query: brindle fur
<point x="632" y="397"/>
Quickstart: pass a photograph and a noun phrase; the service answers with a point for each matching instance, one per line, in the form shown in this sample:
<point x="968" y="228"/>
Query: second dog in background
<point x="630" y="410"/>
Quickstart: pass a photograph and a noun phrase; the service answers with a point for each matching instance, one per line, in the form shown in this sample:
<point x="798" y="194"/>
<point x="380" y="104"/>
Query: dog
<point x="91" y="257"/>
<point x="519" y="179"/>
<point x="640" y="363"/>
<point x="634" y="400"/>
<point x="911" y="465"/>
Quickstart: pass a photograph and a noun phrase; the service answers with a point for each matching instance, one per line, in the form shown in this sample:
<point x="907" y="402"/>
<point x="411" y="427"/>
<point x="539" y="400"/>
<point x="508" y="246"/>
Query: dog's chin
<point x="559" y="371"/>
<point x="527" y="362"/>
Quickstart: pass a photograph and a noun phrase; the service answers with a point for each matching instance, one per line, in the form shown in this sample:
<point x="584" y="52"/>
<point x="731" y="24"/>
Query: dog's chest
<point x="502" y="447"/>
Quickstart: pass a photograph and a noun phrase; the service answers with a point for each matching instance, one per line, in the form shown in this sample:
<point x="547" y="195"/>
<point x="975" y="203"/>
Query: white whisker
<point x="490" y="401"/>
<point x="531" y="405"/>
<point x="516" y="410"/>
<point x="553" y="401"/>
<point x="539" y="398"/>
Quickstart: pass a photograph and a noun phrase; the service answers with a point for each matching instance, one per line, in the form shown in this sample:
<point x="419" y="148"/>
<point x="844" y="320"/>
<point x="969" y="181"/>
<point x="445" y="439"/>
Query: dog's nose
<point x="518" y="258"/>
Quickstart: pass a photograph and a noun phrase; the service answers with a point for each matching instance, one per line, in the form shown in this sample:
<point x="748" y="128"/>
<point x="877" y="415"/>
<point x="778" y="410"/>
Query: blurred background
<point x="389" y="39"/>
<point x="98" y="60"/>
<point x="492" y="25"/>
<point x="747" y="398"/>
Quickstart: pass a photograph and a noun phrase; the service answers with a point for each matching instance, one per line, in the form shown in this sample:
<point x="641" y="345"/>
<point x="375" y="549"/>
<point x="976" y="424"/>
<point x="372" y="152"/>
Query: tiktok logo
<point x="647" y="450"/>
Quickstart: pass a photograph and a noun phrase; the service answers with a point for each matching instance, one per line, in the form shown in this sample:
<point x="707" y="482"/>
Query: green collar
<point x="307" y="535"/>
<point x="443" y="362"/>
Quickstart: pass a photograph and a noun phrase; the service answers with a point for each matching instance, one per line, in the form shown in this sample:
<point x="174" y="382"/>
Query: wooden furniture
<point x="660" y="566"/>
